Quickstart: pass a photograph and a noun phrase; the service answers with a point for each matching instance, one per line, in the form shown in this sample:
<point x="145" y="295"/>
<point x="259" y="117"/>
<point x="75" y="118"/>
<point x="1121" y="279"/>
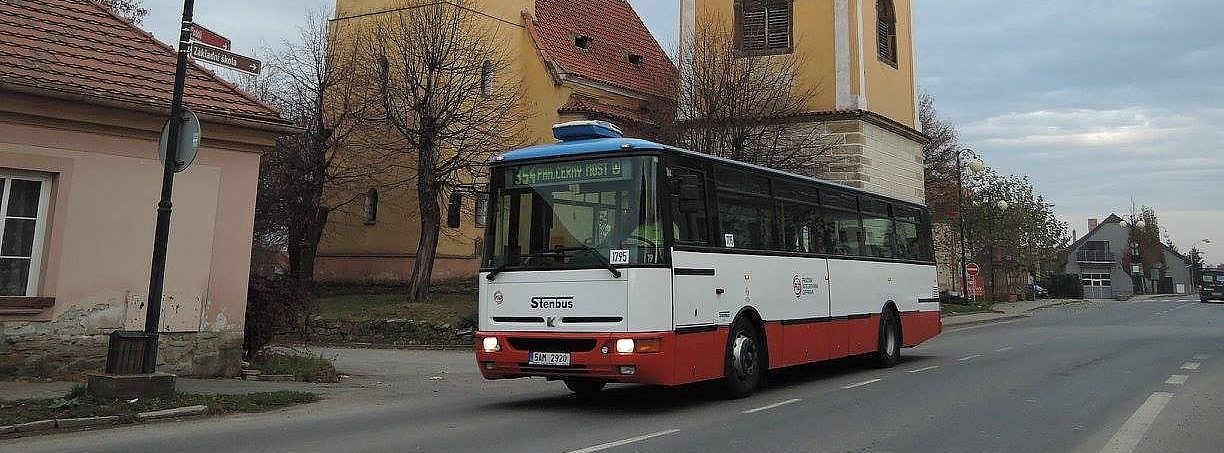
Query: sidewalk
<point x="1008" y="310"/>
<point x="20" y="390"/>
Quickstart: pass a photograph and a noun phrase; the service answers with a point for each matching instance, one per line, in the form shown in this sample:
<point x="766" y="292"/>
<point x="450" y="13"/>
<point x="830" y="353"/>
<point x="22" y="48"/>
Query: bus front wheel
<point x="744" y="360"/>
<point x="585" y="387"/>
<point x="888" y="352"/>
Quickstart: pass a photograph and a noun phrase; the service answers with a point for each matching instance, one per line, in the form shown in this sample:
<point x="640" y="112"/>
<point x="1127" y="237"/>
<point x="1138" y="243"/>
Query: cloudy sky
<point x="1100" y="102"/>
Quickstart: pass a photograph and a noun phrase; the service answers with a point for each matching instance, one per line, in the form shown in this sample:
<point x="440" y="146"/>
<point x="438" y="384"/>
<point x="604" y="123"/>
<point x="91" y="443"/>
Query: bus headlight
<point x="624" y="345"/>
<point x="490" y="344"/>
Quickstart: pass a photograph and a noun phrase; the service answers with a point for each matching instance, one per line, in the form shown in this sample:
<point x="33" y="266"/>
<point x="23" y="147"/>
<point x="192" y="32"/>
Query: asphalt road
<point x="1088" y="377"/>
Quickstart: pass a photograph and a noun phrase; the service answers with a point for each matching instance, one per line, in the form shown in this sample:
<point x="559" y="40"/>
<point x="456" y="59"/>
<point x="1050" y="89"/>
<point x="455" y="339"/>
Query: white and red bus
<point x="612" y="259"/>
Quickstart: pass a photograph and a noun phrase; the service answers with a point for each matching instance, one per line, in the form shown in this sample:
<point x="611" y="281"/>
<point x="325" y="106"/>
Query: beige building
<point x="83" y="97"/>
<point x="859" y="55"/>
<point x="576" y="60"/>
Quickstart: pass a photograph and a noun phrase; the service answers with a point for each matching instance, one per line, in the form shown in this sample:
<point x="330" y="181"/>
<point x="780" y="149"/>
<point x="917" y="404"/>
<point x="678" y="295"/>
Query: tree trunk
<point x="304" y="245"/>
<point x="427" y="246"/>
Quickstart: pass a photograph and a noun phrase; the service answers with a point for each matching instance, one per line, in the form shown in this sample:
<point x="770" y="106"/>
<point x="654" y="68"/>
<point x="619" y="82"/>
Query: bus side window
<point x="689" y="220"/>
<point x="745" y="210"/>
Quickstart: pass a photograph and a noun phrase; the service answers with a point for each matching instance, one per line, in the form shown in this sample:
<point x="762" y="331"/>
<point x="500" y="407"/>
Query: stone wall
<point x="876" y="159"/>
<point x="76" y="342"/>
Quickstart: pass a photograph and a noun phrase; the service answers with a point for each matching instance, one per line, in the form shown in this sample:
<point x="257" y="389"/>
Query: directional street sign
<point x="206" y="36"/>
<point x="223" y="57"/>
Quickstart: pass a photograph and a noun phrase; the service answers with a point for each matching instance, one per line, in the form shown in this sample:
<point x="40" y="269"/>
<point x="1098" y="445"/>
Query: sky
<point x="1100" y="102"/>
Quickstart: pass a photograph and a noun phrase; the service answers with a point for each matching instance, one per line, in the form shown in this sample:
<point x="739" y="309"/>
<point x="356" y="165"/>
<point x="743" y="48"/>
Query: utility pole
<point x="161" y="236"/>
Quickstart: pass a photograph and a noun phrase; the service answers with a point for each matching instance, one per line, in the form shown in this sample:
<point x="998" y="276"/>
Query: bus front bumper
<point x="589" y="356"/>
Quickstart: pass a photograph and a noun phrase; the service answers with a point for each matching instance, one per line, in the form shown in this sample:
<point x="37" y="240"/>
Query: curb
<point x="70" y="423"/>
<point x="985" y="321"/>
<point x="35" y="427"/>
<point x="189" y="411"/>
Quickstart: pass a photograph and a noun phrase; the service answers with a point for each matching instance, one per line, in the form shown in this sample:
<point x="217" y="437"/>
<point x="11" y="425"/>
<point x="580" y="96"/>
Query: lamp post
<point x="976" y="166"/>
<point x="1002" y="206"/>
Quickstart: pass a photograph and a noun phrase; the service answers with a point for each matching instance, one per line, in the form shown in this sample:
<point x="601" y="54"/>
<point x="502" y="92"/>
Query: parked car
<point x="1212" y="286"/>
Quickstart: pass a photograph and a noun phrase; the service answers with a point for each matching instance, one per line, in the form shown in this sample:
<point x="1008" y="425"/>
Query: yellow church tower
<point x="859" y="56"/>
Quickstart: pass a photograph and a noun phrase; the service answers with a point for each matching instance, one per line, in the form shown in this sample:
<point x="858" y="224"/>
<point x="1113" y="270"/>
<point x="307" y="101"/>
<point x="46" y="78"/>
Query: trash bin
<point x="126" y="352"/>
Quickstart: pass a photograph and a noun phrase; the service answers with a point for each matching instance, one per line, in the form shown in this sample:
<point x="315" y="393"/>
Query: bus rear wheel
<point x="585" y="387"/>
<point x="888" y="352"/>
<point x="744" y="369"/>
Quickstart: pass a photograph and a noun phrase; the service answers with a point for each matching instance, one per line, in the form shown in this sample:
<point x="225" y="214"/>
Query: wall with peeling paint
<point x="105" y="181"/>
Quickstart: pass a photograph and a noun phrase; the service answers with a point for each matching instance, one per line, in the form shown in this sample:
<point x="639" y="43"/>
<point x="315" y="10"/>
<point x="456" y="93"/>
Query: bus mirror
<point x="690" y="194"/>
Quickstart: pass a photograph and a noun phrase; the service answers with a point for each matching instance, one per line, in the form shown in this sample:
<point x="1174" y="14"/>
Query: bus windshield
<point x="580" y="214"/>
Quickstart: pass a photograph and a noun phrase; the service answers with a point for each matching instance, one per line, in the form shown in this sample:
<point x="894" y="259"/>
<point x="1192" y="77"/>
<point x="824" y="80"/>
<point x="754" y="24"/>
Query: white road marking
<point x="962" y="359"/>
<point x="1202" y="356"/>
<point x="1032" y="343"/>
<point x="924" y="369"/>
<point x="630" y="440"/>
<point x="1004" y="349"/>
<point x="1131" y="433"/>
<point x="1191" y="365"/>
<point x="771" y="406"/>
<point x="1177" y="379"/>
<point x="860" y="384"/>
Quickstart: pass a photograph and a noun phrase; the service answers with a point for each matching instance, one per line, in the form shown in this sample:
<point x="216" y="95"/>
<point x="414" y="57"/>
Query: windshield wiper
<point x="560" y="251"/>
<point x="607" y="264"/>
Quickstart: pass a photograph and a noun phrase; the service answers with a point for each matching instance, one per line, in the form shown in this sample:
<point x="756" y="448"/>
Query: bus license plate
<point x="549" y="358"/>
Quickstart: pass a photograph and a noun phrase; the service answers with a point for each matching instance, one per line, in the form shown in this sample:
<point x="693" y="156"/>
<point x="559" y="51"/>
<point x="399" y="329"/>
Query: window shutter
<point x="779" y="24"/>
<point x="755" y="26"/>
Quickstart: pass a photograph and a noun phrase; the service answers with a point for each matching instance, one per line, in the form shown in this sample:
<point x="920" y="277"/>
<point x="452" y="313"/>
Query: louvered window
<point x="765" y="26"/>
<point x="886" y="31"/>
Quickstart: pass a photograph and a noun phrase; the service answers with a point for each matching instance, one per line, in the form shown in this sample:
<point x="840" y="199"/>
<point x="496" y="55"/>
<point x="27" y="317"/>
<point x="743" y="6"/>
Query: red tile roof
<point x="79" y="49"/>
<point x="582" y="104"/>
<point x="616" y="31"/>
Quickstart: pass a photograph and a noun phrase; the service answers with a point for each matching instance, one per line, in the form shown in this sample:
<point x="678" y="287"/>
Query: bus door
<point x="695" y="289"/>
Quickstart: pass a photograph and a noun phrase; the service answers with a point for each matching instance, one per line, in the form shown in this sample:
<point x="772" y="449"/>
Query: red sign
<point x="972" y="272"/>
<point x="206" y="36"/>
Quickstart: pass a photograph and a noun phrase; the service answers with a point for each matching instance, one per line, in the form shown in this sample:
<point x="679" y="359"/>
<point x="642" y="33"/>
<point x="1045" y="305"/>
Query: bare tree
<point x="132" y="10"/>
<point x="447" y="103"/>
<point x="744" y="106"/>
<point x="315" y="83"/>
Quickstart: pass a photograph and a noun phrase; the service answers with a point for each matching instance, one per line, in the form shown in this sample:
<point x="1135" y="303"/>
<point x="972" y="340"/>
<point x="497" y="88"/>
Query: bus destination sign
<point x="571" y="172"/>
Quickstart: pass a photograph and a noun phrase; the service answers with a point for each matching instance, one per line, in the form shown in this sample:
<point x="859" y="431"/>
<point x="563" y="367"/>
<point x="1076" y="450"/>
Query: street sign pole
<point x="161" y="236"/>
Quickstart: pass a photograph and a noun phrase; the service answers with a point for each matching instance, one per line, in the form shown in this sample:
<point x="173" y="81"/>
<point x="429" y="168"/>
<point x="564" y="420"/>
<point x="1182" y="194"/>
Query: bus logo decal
<point x="552" y="303"/>
<point x="797" y="286"/>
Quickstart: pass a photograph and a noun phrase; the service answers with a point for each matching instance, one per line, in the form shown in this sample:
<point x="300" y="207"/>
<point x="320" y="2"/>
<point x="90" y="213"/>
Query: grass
<point x="304" y="368"/>
<point x="78" y="403"/>
<point x="439" y="309"/>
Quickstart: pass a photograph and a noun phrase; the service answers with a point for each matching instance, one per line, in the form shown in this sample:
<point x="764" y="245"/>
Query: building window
<point x="23" y="223"/>
<point x="765" y="26"/>
<point x="482" y="210"/>
<point x="486" y="78"/>
<point x="1098" y="280"/>
<point x="370" y="209"/>
<point x="886" y="31"/>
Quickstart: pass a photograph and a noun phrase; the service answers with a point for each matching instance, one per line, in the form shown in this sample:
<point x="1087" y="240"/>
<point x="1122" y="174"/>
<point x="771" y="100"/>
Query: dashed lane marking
<point x="1191" y="365"/>
<point x="1177" y="379"/>
<point x="962" y="359"/>
<point x="628" y="441"/>
<point x="1004" y="349"/>
<point x="924" y="369"/>
<point x="860" y="384"/>
<point x="1202" y="356"/>
<point x="1131" y="433"/>
<point x="771" y="406"/>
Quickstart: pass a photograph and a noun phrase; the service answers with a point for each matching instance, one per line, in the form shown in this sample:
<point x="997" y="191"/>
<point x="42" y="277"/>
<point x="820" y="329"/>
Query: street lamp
<point x="1002" y="206"/>
<point x="976" y="167"/>
<point x="1191" y="268"/>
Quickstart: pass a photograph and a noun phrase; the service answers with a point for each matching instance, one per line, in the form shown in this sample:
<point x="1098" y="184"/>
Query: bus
<point x="613" y="259"/>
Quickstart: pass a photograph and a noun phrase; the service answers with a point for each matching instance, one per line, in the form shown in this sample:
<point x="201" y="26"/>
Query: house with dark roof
<point x="1102" y="259"/>
<point x="576" y="59"/>
<point x="83" y="98"/>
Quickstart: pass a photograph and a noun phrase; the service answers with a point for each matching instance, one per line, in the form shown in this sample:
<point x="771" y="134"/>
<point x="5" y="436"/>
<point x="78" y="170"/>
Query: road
<point x="1085" y="377"/>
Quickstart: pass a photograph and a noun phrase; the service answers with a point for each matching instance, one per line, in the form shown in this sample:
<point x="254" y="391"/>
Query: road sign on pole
<point x="972" y="272"/>
<point x="206" y="36"/>
<point x="189" y="140"/>
<point x="222" y="57"/>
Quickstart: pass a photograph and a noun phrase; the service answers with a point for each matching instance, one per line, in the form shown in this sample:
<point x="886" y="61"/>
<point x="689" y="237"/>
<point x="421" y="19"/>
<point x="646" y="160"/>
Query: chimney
<point x="1092" y="223"/>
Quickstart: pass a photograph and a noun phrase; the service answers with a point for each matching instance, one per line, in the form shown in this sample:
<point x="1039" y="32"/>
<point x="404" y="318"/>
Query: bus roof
<point x="594" y="146"/>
